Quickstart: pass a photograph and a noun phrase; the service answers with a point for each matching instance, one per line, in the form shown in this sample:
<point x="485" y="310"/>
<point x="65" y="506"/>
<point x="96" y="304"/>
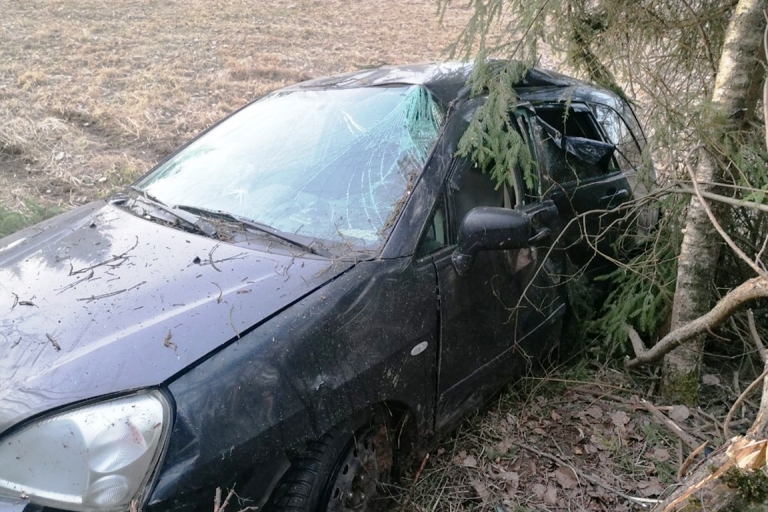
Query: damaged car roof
<point x="446" y="80"/>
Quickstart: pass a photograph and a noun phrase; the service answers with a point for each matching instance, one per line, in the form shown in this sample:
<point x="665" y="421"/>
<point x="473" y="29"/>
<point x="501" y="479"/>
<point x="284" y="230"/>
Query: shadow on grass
<point x="12" y="221"/>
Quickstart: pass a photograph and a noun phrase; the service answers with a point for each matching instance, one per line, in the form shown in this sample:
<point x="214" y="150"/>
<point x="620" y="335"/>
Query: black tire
<point x="343" y="471"/>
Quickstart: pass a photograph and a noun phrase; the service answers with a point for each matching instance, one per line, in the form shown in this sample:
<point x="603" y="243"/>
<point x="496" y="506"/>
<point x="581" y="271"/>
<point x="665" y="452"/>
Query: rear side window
<point x="616" y="129"/>
<point x="572" y="142"/>
<point x="576" y="121"/>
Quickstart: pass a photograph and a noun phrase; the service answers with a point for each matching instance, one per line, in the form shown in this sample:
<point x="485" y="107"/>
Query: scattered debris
<point x="168" y="343"/>
<point x="111" y="294"/>
<point x="53" y="342"/>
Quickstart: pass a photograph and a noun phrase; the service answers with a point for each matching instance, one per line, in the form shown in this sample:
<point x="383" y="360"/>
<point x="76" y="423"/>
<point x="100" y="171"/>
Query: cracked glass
<point x="335" y="165"/>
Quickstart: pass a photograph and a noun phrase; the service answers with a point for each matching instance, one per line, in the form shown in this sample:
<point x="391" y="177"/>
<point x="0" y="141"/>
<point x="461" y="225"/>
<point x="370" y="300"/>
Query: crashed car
<point x="298" y="296"/>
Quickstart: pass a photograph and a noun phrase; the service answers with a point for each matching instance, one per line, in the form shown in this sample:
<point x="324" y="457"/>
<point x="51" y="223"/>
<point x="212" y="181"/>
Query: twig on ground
<point x="671" y="425"/>
<point x="689" y="460"/>
<point x="599" y="394"/>
<point x="421" y="468"/>
<point x="715" y="421"/>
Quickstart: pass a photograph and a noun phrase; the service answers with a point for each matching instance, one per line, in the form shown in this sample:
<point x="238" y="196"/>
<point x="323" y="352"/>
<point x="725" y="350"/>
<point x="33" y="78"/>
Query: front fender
<point x="338" y="351"/>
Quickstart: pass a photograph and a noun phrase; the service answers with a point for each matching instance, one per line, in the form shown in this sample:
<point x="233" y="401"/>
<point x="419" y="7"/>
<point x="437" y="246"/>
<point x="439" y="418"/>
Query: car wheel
<point x="343" y="471"/>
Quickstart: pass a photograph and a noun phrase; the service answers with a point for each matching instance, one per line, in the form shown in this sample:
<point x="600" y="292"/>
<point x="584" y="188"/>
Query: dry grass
<point x="95" y="92"/>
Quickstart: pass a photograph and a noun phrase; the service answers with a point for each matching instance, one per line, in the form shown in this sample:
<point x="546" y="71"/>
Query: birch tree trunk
<point x="733" y="100"/>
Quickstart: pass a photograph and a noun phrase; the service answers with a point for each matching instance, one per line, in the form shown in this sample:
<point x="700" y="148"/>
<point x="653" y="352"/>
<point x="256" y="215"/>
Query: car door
<point x="506" y="309"/>
<point x="581" y="174"/>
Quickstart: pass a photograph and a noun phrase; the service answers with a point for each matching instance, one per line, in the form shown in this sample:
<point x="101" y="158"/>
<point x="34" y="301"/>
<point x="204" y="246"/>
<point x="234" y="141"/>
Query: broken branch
<point x="671" y="425"/>
<point x="737" y="403"/>
<point x="752" y="289"/>
<point x="716" y="224"/>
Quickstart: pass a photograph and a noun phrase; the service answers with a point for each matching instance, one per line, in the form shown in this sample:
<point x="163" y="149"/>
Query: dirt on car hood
<point x="98" y="301"/>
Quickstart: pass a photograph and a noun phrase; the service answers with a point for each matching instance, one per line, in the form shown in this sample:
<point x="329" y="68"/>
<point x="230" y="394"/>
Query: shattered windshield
<point x="333" y="165"/>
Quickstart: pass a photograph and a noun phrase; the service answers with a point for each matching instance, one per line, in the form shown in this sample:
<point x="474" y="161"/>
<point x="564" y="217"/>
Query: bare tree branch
<point x="716" y="224"/>
<point x="721" y="198"/>
<point x="752" y="289"/>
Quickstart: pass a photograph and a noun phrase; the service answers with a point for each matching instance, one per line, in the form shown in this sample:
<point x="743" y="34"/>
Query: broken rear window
<point x="330" y="164"/>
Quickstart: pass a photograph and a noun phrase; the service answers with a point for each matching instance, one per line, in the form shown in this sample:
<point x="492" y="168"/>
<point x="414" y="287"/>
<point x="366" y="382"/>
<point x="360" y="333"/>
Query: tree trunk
<point x="731" y="102"/>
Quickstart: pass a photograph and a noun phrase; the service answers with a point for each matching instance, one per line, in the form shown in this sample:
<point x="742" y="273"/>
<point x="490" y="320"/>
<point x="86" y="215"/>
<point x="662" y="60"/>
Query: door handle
<point x="614" y="194"/>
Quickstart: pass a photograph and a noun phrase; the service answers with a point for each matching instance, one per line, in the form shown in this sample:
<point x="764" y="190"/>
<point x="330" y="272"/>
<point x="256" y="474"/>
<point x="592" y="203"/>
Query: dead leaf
<point x="550" y="496"/>
<point x="539" y="490"/>
<point x="459" y="458"/>
<point x="540" y="431"/>
<point x="511" y="477"/>
<point x="481" y="490"/>
<point x="469" y="462"/>
<point x="504" y="446"/>
<point x="619" y="418"/>
<point x="711" y="380"/>
<point x="555" y="416"/>
<point x="679" y="413"/>
<point x="661" y="454"/>
<point x="594" y="411"/>
<point x="651" y="487"/>
<point x="566" y="477"/>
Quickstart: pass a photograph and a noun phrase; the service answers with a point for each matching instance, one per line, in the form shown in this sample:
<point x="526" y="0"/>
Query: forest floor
<point x="582" y="438"/>
<point x="94" y="92"/>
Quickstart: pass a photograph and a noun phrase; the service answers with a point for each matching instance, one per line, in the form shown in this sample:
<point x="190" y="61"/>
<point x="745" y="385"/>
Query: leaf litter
<point x="558" y="444"/>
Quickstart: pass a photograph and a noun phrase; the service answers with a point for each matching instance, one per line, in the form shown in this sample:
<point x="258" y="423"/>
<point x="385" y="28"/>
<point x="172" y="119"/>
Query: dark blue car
<point x="299" y="296"/>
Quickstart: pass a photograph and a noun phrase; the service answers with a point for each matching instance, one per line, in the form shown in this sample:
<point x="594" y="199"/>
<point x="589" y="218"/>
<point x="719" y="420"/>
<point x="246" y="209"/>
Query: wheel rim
<point x="365" y="467"/>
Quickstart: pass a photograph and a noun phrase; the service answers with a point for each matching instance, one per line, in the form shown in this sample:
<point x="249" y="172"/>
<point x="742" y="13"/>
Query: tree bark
<point x="730" y="104"/>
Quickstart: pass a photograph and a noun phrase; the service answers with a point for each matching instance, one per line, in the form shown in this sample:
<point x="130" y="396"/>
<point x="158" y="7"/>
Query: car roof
<point x="448" y="81"/>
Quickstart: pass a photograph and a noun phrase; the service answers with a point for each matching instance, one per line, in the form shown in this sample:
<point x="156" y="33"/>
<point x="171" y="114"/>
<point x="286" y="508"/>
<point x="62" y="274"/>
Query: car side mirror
<point x="488" y="228"/>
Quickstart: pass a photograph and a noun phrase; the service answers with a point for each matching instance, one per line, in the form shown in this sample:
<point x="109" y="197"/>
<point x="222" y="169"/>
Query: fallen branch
<point x="728" y="240"/>
<point x="752" y="289"/>
<point x="671" y="425"/>
<point x="689" y="460"/>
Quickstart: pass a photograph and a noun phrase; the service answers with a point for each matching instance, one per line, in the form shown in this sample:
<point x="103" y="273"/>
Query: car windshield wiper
<point x="193" y="220"/>
<point x="263" y="228"/>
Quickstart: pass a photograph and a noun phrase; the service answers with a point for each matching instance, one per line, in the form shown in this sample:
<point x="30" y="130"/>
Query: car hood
<point x="98" y="301"/>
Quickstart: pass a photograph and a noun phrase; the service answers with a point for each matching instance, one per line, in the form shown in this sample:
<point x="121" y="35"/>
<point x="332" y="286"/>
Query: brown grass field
<point x="94" y="92"/>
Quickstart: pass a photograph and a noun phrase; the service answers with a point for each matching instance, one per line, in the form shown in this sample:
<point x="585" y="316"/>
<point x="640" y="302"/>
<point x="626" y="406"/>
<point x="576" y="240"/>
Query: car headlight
<point x="97" y="457"/>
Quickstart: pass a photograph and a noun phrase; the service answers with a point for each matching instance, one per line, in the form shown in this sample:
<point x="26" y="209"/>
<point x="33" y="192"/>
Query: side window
<point x="469" y="188"/>
<point x="577" y="121"/>
<point x="436" y="235"/>
<point x="570" y="140"/>
<point x="617" y="131"/>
